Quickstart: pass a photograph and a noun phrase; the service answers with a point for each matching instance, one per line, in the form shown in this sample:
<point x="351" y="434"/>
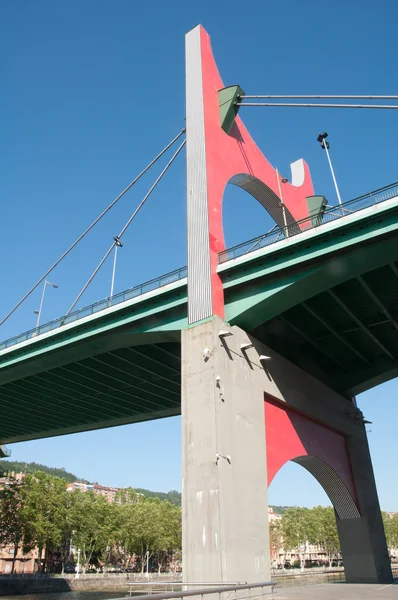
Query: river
<point x="70" y="596"/>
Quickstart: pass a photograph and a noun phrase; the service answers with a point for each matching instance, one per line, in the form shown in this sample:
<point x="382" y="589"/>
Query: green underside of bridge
<point x="334" y="316"/>
<point x="346" y="336"/>
<point x="124" y="385"/>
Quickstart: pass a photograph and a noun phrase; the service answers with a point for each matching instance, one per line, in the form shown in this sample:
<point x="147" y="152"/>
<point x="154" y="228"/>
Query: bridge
<point x="337" y="320"/>
<point x="261" y="347"/>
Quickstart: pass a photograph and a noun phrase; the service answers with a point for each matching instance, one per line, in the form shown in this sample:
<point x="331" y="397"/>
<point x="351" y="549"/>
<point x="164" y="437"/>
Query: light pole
<point x="325" y="146"/>
<point x="38" y="312"/>
<point x="282" y="204"/>
<point x="118" y="244"/>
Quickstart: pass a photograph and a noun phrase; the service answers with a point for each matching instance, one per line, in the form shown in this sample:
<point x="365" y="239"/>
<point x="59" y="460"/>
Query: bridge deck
<point x="325" y="298"/>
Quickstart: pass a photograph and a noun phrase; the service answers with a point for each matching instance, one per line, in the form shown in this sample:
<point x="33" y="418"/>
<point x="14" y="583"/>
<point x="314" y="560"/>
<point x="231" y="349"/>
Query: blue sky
<point x="93" y="89"/>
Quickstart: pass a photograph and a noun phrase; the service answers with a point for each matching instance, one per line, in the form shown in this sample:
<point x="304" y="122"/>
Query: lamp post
<point x="325" y="146"/>
<point x="118" y="244"/>
<point x="38" y="312"/>
<point x="282" y="204"/>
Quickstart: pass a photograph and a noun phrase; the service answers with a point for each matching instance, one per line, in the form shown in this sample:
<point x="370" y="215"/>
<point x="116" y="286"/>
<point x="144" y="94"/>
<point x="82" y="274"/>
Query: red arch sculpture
<point x="320" y="450"/>
<point x="215" y="158"/>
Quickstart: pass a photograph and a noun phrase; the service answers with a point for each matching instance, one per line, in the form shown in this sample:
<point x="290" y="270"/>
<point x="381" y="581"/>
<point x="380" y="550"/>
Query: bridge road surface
<point x="340" y="591"/>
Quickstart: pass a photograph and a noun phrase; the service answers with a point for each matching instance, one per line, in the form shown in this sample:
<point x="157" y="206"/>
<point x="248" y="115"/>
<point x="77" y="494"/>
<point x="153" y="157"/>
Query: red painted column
<point x="213" y="159"/>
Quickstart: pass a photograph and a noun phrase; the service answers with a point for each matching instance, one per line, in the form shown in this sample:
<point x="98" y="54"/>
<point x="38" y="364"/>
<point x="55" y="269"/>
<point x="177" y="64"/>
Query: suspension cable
<point x="118" y="237"/>
<point x="104" y="212"/>
<point x="296" y="105"/>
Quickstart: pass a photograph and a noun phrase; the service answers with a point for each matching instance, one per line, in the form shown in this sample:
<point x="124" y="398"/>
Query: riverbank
<point x="12" y="586"/>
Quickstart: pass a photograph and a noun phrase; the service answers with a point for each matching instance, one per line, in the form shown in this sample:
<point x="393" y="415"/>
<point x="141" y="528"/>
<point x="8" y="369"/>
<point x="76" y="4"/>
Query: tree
<point x="295" y="527"/>
<point x="149" y="528"/>
<point x="394" y="531"/>
<point x="45" y="512"/>
<point x="13" y="524"/>
<point x="323" y="530"/>
<point x="93" y="525"/>
<point x="391" y="529"/>
<point x="275" y="539"/>
<point x="169" y="532"/>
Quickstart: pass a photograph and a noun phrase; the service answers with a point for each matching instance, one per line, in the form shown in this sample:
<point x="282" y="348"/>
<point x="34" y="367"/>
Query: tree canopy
<point x="39" y="512"/>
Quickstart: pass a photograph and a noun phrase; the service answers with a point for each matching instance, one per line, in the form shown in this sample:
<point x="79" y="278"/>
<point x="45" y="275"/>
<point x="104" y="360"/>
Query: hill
<point x="23" y="467"/>
<point x="8" y="466"/>
<point x="279" y="510"/>
<point x="173" y="496"/>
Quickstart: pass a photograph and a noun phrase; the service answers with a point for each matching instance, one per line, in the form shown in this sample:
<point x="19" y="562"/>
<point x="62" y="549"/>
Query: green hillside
<point x="8" y="466"/>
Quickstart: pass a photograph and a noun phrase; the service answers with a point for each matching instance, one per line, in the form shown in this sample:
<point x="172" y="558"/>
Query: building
<point x="108" y="492"/>
<point x="273" y="516"/>
<point x="79" y="486"/>
<point x="100" y="490"/>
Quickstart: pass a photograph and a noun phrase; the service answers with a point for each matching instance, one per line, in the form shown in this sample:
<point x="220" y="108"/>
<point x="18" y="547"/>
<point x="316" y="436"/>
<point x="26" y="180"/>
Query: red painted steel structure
<point x="291" y="436"/>
<point x="229" y="155"/>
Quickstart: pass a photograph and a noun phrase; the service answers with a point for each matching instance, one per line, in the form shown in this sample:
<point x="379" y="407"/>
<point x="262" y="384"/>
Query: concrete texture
<point x="224" y="492"/>
<point x="340" y="591"/>
<point x="225" y="525"/>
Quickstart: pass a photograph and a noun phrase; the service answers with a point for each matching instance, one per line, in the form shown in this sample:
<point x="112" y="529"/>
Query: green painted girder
<point x="345" y="339"/>
<point x="126" y="385"/>
<point x="259" y="290"/>
<point x="161" y="315"/>
<point x="334" y="293"/>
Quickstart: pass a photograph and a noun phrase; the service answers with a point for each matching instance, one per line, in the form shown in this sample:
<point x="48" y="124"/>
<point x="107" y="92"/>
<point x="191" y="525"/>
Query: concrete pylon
<point x="224" y="491"/>
<point x="231" y="438"/>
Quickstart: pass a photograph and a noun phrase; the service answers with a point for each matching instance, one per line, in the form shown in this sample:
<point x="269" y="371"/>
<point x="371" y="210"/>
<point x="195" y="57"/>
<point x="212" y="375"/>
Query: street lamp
<point x="282" y="204"/>
<point x="38" y="312"/>
<point x="147" y="563"/>
<point x="325" y="146"/>
<point x="118" y="244"/>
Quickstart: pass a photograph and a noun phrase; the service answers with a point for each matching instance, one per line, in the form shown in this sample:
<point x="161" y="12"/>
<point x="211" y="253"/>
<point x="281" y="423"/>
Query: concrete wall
<point x="224" y="494"/>
<point x="225" y="529"/>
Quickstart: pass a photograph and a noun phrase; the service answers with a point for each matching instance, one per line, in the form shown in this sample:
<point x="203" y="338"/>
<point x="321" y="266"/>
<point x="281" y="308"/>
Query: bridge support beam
<point x="228" y="381"/>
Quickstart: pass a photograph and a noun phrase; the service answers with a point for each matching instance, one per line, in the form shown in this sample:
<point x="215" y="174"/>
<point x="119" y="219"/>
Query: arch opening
<point x="265" y="196"/>
<point x="290" y="436"/>
<point x="275" y="219"/>
<point x="337" y="492"/>
<point x="243" y="218"/>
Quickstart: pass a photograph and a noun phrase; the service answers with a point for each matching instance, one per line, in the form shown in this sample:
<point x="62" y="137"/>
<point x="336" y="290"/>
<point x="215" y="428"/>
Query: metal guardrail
<point x="204" y="591"/>
<point x="288" y="580"/>
<point x="133" y="292"/>
<point x="148" y="585"/>
<point x="331" y="214"/>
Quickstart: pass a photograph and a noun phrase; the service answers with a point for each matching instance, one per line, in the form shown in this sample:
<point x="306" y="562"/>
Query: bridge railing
<point x="331" y="214"/>
<point x="224" y="591"/>
<point x="133" y="292"/>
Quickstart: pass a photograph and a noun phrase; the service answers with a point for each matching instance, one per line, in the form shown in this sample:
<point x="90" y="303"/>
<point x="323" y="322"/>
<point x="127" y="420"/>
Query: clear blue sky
<point x="92" y="89"/>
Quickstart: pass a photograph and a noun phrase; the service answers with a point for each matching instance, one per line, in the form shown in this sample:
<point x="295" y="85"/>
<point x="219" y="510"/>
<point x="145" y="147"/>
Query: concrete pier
<point x="226" y="377"/>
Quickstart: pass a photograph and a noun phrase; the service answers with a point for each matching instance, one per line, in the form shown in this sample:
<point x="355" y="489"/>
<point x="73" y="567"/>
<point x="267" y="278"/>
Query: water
<point x="71" y="596"/>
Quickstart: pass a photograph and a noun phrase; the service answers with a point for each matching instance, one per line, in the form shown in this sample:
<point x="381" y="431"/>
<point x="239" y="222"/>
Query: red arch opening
<point x="320" y="450"/>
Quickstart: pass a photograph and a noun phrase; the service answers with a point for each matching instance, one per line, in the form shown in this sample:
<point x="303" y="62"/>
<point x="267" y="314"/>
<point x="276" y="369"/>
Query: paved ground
<point x="339" y="591"/>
